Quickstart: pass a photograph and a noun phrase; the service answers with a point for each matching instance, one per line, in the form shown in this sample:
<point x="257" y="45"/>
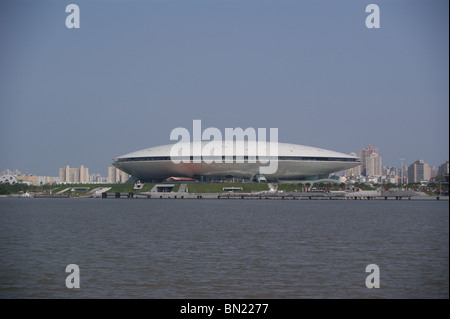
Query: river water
<point x="181" y="248"/>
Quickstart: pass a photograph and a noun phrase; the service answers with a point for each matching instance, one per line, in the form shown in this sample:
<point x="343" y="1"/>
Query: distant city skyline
<point x="134" y="71"/>
<point x="114" y="175"/>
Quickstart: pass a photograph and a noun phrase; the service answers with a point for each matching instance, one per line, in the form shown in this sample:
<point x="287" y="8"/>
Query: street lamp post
<point x="401" y="172"/>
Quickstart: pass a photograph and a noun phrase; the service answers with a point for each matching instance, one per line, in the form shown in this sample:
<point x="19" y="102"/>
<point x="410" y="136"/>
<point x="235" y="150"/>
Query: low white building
<point x="8" y="179"/>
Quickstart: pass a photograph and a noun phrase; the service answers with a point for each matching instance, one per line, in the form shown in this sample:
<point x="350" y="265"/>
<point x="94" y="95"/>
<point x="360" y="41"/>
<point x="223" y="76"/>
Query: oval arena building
<point x="236" y="159"/>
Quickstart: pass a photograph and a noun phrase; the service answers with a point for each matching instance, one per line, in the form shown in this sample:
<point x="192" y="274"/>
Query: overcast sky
<point x="135" y="70"/>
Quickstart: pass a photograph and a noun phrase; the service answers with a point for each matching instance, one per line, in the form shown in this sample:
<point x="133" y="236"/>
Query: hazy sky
<point x="135" y="70"/>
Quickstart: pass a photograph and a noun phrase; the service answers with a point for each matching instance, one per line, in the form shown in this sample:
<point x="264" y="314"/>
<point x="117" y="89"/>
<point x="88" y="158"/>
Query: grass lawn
<point x="291" y="187"/>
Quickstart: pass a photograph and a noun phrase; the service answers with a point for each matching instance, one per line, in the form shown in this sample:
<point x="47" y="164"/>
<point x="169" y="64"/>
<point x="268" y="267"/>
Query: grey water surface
<point x="181" y="248"/>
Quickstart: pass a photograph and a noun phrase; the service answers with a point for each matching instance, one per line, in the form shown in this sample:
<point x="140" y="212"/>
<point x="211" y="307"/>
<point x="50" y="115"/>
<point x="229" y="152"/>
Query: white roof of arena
<point x="284" y="149"/>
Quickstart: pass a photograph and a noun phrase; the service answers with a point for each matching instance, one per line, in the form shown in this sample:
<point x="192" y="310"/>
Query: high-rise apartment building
<point x="443" y="169"/>
<point x="418" y="171"/>
<point x="373" y="165"/>
<point x="74" y="175"/>
<point x="374" y="161"/>
<point x="116" y="176"/>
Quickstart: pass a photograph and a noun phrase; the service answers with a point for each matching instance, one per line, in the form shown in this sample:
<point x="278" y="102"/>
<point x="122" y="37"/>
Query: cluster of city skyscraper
<point x="81" y="175"/>
<point x="372" y="169"/>
<point x="371" y="163"/>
